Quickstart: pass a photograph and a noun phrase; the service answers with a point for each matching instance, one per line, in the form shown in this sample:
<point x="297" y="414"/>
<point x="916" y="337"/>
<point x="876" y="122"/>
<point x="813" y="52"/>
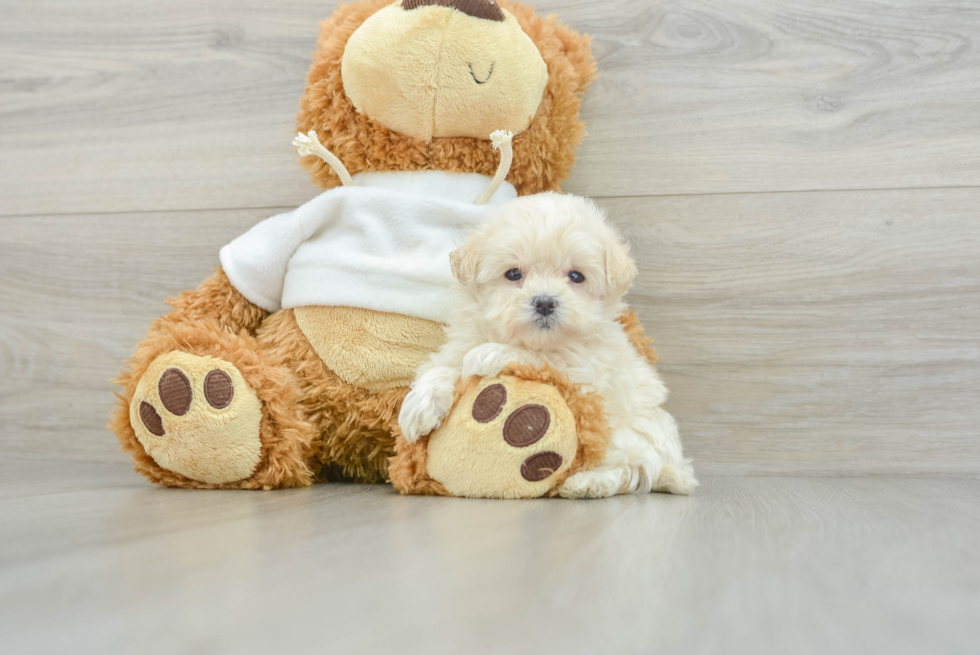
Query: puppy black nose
<point x="488" y="9"/>
<point x="544" y="305"/>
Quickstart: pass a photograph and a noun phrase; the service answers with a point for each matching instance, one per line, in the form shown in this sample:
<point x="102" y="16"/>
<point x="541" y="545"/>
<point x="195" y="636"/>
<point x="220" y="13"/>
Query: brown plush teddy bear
<point x="289" y="364"/>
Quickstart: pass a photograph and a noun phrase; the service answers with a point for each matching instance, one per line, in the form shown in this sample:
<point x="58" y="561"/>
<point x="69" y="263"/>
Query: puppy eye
<point x="576" y="277"/>
<point x="514" y="274"/>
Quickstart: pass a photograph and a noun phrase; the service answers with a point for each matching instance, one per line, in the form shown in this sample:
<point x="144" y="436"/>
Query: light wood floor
<point x="93" y="560"/>
<point x="800" y="181"/>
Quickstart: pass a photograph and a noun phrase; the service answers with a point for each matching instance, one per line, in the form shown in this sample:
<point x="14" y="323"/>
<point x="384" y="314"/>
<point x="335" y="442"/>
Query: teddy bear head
<point x="417" y="85"/>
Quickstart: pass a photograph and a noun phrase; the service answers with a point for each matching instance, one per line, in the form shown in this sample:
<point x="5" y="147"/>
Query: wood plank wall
<point x="800" y="180"/>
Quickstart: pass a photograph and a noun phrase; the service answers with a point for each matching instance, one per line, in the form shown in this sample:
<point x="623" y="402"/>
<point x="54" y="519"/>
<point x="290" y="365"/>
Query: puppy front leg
<point x="642" y="458"/>
<point x="489" y="359"/>
<point x="630" y="466"/>
<point x="428" y="403"/>
<point x="601" y="482"/>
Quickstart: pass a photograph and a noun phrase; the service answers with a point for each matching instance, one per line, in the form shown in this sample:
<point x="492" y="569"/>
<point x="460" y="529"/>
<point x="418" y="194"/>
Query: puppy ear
<point x="620" y="269"/>
<point x="463" y="261"/>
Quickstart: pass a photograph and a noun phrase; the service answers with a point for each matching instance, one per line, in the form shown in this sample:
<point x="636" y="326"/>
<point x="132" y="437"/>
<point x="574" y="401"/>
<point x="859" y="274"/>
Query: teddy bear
<point x="289" y="364"/>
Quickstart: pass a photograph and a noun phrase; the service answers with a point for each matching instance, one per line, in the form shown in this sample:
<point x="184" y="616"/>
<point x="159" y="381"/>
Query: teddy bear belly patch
<point x="370" y="349"/>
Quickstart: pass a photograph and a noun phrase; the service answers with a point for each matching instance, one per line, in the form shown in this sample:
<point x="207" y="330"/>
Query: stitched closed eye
<point x="485" y="78"/>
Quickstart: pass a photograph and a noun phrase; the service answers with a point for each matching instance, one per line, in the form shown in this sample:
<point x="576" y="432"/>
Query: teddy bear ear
<point x="567" y="53"/>
<point x="578" y="51"/>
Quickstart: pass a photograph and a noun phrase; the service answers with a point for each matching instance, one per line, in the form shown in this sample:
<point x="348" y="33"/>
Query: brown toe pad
<point x="527" y="425"/>
<point x="151" y="419"/>
<point x="539" y="467"/>
<point x="175" y="391"/>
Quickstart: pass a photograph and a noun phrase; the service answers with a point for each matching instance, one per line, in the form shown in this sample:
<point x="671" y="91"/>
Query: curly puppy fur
<point x="408" y="468"/>
<point x="543" y="280"/>
<point x="543" y="153"/>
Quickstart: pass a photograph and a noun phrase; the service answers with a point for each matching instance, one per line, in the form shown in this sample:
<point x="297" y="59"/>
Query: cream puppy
<point x="543" y="281"/>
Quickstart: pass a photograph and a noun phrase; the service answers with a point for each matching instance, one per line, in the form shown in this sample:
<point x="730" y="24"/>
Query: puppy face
<point x="544" y="270"/>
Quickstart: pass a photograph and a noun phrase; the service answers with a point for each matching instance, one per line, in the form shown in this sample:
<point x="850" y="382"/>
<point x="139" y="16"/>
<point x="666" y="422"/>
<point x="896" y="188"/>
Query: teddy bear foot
<point x="519" y="435"/>
<point x="508" y="440"/>
<point x="197" y="416"/>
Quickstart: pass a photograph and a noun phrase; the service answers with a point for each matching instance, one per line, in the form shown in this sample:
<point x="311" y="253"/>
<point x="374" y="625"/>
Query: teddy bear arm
<point x="217" y="301"/>
<point x="639" y="339"/>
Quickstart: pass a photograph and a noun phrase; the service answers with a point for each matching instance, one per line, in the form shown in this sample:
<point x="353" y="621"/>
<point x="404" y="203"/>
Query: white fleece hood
<point x="381" y="244"/>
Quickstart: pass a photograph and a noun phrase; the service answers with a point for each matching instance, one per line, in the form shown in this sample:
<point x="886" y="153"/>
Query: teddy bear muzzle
<point x="444" y="68"/>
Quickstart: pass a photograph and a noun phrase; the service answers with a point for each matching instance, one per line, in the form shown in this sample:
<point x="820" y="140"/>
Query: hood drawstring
<point x="501" y="140"/>
<point x="309" y="144"/>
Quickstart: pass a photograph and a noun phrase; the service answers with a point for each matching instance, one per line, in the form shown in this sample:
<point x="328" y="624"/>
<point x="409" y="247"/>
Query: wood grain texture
<point x="174" y="104"/>
<point x="823" y="333"/>
<point x="827" y="332"/>
<point x="78" y="292"/>
<point x="742" y="95"/>
<point x="93" y="559"/>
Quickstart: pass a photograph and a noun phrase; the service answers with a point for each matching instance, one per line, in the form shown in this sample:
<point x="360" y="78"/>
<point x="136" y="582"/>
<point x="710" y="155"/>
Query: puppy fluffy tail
<point x="677" y="478"/>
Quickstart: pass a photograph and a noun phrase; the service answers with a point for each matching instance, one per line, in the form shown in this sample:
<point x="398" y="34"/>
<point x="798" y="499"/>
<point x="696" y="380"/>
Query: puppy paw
<point x="600" y="482"/>
<point x="423" y="411"/>
<point x="489" y="359"/>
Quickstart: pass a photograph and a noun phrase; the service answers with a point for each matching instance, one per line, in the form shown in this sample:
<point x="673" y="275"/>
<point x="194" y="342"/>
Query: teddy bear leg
<point x="202" y="407"/>
<point x="354" y="424"/>
<point x="518" y="435"/>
